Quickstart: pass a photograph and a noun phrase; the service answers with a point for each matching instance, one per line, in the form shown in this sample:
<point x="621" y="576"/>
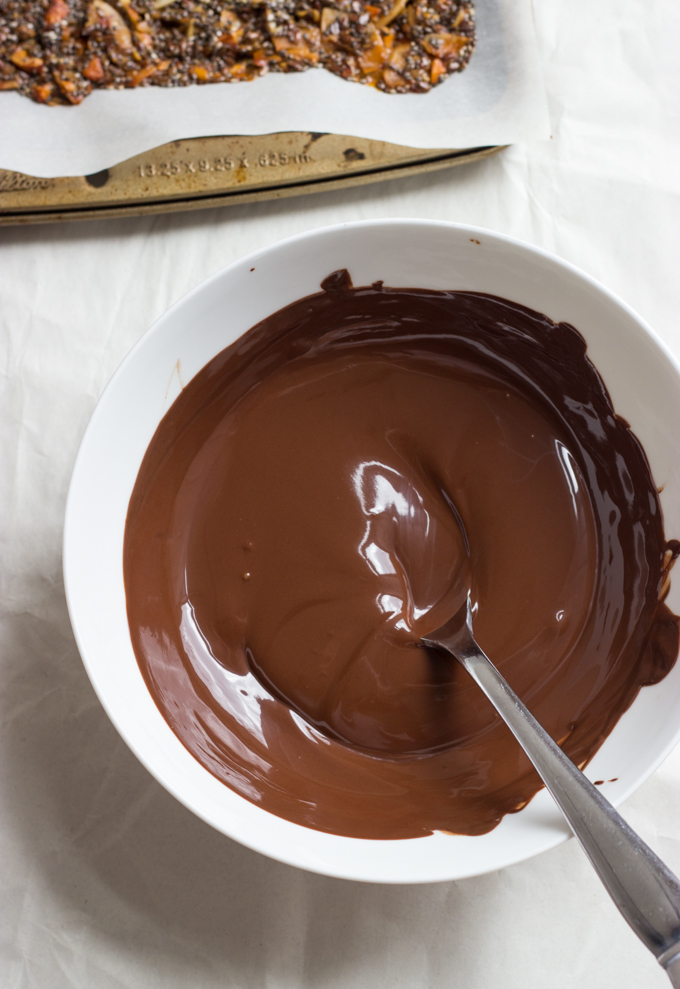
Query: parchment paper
<point x="498" y="99"/>
<point x="106" y="881"/>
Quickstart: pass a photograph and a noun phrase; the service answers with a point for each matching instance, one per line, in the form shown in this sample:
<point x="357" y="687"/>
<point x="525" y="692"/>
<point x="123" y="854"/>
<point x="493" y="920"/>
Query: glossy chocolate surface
<point x="326" y="490"/>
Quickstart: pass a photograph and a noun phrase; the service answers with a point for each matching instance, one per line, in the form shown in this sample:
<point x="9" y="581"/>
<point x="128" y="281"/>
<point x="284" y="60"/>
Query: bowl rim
<point x="252" y="841"/>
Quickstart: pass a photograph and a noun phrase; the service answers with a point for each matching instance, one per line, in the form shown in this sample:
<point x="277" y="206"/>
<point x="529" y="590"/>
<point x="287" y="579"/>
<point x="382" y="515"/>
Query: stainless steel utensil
<point x="644" y="890"/>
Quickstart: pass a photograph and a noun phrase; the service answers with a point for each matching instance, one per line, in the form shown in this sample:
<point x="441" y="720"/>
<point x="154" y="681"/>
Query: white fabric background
<point x="107" y="882"/>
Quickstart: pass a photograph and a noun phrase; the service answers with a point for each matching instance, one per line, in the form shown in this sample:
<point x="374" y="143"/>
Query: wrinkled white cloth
<point x="106" y="881"/>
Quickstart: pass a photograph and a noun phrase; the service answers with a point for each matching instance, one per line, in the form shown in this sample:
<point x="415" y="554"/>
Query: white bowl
<point x="643" y="379"/>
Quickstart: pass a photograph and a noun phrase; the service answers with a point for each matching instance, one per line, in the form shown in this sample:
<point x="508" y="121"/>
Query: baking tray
<point x="203" y="172"/>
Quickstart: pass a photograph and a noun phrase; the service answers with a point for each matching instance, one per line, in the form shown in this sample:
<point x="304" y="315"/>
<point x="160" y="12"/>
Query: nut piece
<point x="57" y="12"/>
<point x="22" y="60"/>
<point x="392" y="79"/>
<point x="397" y="58"/>
<point x="98" y="11"/>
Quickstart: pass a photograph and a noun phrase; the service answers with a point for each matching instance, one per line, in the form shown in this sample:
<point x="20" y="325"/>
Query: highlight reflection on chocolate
<point x="294" y="530"/>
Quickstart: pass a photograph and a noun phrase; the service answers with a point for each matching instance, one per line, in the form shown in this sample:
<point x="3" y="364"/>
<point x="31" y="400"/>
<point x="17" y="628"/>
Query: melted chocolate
<point x="325" y="491"/>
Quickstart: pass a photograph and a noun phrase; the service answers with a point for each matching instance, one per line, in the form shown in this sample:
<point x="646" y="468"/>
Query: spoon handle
<point x="645" y="891"/>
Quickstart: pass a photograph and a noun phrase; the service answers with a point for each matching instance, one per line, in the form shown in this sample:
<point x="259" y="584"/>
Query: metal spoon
<point x="644" y="890"/>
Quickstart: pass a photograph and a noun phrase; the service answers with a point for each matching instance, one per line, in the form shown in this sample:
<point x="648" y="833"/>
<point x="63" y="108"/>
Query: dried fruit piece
<point x="375" y="57"/>
<point x="437" y="69"/>
<point x="149" y="70"/>
<point x="42" y="92"/>
<point x="94" y="70"/>
<point x="141" y="74"/>
<point x="241" y="70"/>
<point x="445" y="45"/>
<point x="297" y="50"/>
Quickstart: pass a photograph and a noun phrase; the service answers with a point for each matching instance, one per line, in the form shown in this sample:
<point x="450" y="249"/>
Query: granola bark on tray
<point x="57" y="51"/>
